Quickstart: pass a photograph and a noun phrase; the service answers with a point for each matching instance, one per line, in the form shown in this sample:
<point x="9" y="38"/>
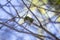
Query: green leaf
<point x="28" y="18"/>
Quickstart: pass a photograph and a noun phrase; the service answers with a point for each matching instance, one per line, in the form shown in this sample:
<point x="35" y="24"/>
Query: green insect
<point x="29" y="19"/>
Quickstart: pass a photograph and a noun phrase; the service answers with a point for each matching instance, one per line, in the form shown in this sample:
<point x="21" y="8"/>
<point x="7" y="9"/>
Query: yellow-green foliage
<point x="54" y="2"/>
<point x="58" y="2"/>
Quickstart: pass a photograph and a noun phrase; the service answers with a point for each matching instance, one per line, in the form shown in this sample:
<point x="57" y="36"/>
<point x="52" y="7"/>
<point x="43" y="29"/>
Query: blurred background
<point x="29" y="20"/>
